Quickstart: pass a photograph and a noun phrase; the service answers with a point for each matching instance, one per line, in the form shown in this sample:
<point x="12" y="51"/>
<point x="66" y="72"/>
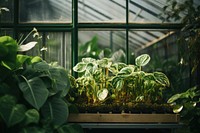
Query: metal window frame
<point x="74" y="27"/>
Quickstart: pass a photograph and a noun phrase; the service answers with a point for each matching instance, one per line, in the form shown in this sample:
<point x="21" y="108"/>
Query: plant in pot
<point x="117" y="85"/>
<point x="32" y="91"/>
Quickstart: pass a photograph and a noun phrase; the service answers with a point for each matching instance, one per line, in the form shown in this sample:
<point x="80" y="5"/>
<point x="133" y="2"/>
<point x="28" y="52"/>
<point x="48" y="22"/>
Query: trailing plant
<point x="32" y="92"/>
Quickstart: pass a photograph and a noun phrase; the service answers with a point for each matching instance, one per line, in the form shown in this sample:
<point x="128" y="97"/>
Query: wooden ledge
<point x="125" y="118"/>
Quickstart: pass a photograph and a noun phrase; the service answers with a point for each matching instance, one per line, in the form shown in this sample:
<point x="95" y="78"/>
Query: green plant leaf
<point x="21" y="59"/>
<point x="126" y="71"/>
<point x="41" y="66"/>
<point x="102" y="94"/>
<point x="31" y="116"/>
<point x="142" y="60"/>
<point x="177" y="108"/>
<point x="70" y="128"/>
<point x="34" y="129"/>
<point x="8" y="52"/>
<point x="118" y="83"/>
<point x="11" y="112"/>
<point x="36" y="59"/>
<point x="104" y="63"/>
<point x="174" y="98"/>
<point x="55" y="110"/>
<point x="88" y="60"/>
<point x="161" y="78"/>
<point x="80" y="67"/>
<point x="60" y="79"/>
<point x="34" y="91"/>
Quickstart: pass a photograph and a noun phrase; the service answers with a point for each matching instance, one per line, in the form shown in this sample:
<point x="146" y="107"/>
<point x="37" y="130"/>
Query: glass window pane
<point x="101" y="11"/>
<point x="53" y="47"/>
<point x="7" y="11"/>
<point x="147" y="11"/>
<point x="58" y="48"/>
<point x="144" y="41"/>
<point x="96" y="43"/>
<point x="52" y="11"/>
<point x="6" y="32"/>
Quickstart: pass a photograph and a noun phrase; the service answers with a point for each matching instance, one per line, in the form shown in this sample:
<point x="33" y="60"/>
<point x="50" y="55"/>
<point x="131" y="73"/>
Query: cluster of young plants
<point x="104" y="82"/>
<point x="32" y="92"/>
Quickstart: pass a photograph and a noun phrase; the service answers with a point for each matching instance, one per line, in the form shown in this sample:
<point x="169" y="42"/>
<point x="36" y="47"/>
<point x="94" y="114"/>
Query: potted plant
<point x="32" y="91"/>
<point x="107" y="87"/>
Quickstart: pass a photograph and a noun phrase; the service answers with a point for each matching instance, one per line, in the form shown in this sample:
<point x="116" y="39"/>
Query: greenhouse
<point x="91" y="66"/>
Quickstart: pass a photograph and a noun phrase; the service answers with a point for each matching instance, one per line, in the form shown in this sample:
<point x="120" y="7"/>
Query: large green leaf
<point x="34" y="91"/>
<point x="55" y="110"/>
<point x="21" y="59"/>
<point x="70" y="128"/>
<point x="142" y="60"/>
<point x="33" y="129"/>
<point x="8" y="51"/>
<point x="60" y="79"/>
<point x="11" y="112"/>
<point x="31" y="116"/>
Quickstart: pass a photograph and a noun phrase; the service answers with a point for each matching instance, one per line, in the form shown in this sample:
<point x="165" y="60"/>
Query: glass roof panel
<point x="101" y="11"/>
<point x="48" y="11"/>
<point x="147" y="11"/>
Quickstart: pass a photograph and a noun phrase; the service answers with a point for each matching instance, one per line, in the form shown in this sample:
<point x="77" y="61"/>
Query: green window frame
<point x="74" y="26"/>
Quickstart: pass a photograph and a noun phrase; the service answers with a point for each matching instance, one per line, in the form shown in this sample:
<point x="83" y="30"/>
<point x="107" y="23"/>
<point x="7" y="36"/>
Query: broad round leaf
<point x="8" y="51"/>
<point x="102" y="94"/>
<point x="70" y="128"/>
<point x="33" y="129"/>
<point x="56" y="110"/>
<point x="80" y="67"/>
<point x="11" y="112"/>
<point x="31" y="116"/>
<point x="34" y="91"/>
<point x="60" y="79"/>
<point x="142" y="60"/>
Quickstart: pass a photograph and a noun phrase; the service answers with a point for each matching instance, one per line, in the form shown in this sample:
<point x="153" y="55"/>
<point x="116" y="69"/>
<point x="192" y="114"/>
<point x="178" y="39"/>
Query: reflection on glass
<point x="99" y="44"/>
<point x="101" y="10"/>
<point x="147" y="11"/>
<point x="53" y="47"/>
<point x="58" y="48"/>
<point x="53" y="11"/>
<point x="6" y="32"/>
<point x="161" y="45"/>
<point x="7" y="11"/>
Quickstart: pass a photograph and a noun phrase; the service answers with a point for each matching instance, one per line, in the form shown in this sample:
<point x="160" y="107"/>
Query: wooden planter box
<point x="124" y="118"/>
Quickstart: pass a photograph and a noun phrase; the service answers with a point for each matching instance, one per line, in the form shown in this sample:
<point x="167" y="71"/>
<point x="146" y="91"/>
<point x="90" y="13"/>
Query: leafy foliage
<point x="32" y="92"/>
<point x="103" y="80"/>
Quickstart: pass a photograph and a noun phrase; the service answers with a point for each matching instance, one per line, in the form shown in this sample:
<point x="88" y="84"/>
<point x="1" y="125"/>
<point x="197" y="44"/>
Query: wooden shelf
<point x="124" y="118"/>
